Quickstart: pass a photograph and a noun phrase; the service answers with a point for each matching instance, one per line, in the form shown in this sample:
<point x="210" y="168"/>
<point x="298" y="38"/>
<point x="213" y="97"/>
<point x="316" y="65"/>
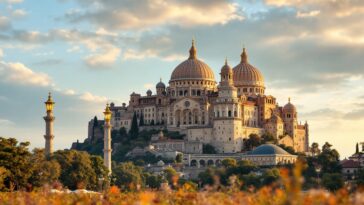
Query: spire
<point x="50" y="97"/>
<point x="160" y="79"/>
<point x="226" y="61"/>
<point x="244" y="56"/>
<point x="289" y="99"/>
<point x="193" y="52"/>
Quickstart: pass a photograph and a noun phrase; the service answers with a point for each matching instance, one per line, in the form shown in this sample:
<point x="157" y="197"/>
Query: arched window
<point x="229" y="113"/>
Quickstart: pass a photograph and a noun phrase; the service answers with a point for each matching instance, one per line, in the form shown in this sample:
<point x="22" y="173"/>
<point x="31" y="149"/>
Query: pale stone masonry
<point x="223" y="114"/>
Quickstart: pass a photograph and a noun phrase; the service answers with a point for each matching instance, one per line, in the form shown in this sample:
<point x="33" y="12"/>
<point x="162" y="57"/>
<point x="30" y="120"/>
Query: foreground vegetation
<point x="286" y="191"/>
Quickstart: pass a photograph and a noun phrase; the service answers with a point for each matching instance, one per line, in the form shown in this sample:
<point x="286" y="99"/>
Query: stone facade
<point x="221" y="114"/>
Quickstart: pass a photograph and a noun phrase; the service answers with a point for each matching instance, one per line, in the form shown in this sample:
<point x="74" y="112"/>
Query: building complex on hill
<point x="221" y="114"/>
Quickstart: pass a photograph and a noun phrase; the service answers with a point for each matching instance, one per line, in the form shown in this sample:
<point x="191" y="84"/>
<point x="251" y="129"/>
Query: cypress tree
<point x="141" y="121"/>
<point x="134" y="130"/>
<point x="357" y="148"/>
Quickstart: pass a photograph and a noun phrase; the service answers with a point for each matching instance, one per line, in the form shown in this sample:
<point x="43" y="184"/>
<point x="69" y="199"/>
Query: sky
<point x="89" y="52"/>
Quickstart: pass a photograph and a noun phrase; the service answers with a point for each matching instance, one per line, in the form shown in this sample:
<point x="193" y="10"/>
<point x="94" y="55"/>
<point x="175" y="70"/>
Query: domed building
<point x="221" y="114"/>
<point x="269" y="155"/>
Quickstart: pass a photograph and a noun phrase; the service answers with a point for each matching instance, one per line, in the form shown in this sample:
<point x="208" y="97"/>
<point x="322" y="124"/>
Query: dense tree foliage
<point x="79" y="169"/>
<point x="15" y="158"/>
<point x="134" y="129"/>
<point x="128" y="176"/>
<point x="208" y="149"/>
<point x="44" y="171"/>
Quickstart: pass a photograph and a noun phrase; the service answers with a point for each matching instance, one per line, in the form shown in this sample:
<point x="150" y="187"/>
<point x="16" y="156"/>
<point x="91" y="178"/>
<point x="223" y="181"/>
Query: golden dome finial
<point x="289" y="99"/>
<point x="226" y="61"/>
<point x="244" y="56"/>
<point x="193" y="51"/>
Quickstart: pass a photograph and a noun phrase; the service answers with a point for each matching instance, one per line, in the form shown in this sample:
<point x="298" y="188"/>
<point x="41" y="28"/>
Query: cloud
<point x="18" y="13"/>
<point x="5" y="122"/>
<point x="132" y="54"/>
<point x="89" y="97"/>
<point x="69" y="92"/>
<point x="307" y="14"/>
<point x="355" y="114"/>
<point x="4" y="22"/>
<point x="102" y="50"/>
<point x="18" y="73"/>
<point x="12" y="1"/>
<point x="149" y="85"/>
<point x="1" y="53"/>
<point x="108" y="55"/>
<point x="129" y="14"/>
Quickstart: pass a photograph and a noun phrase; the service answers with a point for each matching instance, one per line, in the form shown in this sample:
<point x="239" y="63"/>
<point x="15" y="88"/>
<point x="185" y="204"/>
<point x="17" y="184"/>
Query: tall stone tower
<point x="49" y="119"/>
<point x="107" y="138"/>
<point x="227" y="121"/>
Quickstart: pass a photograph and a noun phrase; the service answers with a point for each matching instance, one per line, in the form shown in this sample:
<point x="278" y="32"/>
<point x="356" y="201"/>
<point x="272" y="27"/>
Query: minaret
<point x="49" y="119"/>
<point x="107" y="138"/>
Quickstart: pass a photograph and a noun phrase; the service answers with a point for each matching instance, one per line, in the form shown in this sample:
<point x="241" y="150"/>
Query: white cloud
<point x="17" y="13"/>
<point x="107" y="57"/>
<point x="301" y="14"/>
<point x="149" y="85"/>
<point x="69" y="92"/>
<point x="4" y="22"/>
<point x="89" y="97"/>
<point x="131" y="54"/>
<point x="5" y="122"/>
<point x="127" y="14"/>
<point x="12" y="1"/>
<point x="18" y="73"/>
<point x="74" y="49"/>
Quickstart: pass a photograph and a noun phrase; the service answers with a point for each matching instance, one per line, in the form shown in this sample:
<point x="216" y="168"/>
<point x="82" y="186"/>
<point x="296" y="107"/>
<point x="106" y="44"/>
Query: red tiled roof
<point x="350" y="164"/>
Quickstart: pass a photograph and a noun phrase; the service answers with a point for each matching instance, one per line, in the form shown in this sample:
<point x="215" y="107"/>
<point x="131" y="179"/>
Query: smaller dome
<point x="268" y="149"/>
<point x="160" y="84"/>
<point x="289" y="107"/>
<point x="226" y="68"/>
<point x="149" y="92"/>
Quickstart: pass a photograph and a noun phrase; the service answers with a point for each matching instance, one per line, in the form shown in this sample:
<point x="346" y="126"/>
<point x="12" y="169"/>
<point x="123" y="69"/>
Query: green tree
<point x="43" y="171"/>
<point x="208" y="149"/>
<point x="134" y="130"/>
<point x="315" y="150"/>
<point x="141" y="119"/>
<point x="179" y="158"/>
<point x="329" y="159"/>
<point x="77" y="169"/>
<point x="360" y="178"/>
<point x="3" y="174"/>
<point x="15" y="157"/>
<point x="229" y="163"/>
<point x="270" y="176"/>
<point x="128" y="176"/>
<point x="253" y="141"/>
<point x="268" y="138"/>
<point x="171" y="175"/>
<point x="332" y="181"/>
<point x="153" y="181"/>
<point x="357" y="148"/>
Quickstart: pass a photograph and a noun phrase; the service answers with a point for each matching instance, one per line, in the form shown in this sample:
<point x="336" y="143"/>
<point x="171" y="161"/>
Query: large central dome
<point x="192" y="69"/>
<point x="246" y="74"/>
